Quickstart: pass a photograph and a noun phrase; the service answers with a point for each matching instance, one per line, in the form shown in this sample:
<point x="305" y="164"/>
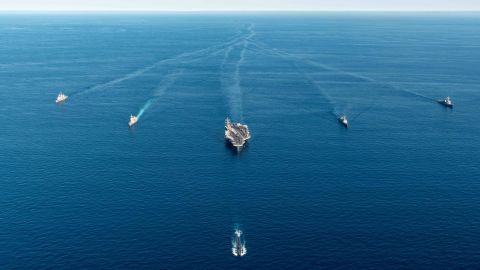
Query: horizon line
<point x="235" y="10"/>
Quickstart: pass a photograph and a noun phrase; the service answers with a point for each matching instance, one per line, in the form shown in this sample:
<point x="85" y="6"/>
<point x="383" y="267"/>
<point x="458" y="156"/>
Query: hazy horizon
<point x="152" y="11"/>
<point x="237" y="5"/>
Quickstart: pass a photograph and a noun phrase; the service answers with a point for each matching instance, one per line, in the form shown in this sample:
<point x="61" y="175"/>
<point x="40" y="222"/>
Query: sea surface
<point x="398" y="189"/>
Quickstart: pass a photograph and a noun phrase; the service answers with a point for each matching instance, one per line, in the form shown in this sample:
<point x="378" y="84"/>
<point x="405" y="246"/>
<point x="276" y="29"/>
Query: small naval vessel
<point x="447" y="102"/>
<point x="236" y="133"/>
<point x="238" y="246"/>
<point x="343" y="120"/>
<point x="61" y="98"/>
<point x="133" y="120"/>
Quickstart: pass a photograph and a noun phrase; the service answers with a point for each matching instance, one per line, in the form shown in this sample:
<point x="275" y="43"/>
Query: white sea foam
<point x="164" y="85"/>
<point x="183" y="58"/>
<point x="336" y="111"/>
<point x="337" y="70"/>
<point x="232" y="81"/>
<point x="239" y="248"/>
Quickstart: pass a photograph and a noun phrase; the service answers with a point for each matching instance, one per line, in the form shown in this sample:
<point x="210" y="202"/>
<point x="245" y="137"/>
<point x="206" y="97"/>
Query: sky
<point x="218" y="5"/>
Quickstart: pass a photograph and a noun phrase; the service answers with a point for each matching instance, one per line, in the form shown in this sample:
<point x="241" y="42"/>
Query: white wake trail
<point x="189" y="56"/>
<point x="164" y="85"/>
<point x="341" y="71"/>
<point x="144" y="108"/>
<point x="296" y="63"/>
<point x="322" y="91"/>
<point x="239" y="248"/>
<point x="233" y="84"/>
<point x="226" y="56"/>
<point x="116" y="81"/>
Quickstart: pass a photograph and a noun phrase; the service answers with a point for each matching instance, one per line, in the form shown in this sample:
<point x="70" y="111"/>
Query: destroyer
<point x="343" y="120"/>
<point x="236" y="133"/>
<point x="61" y="98"/>
<point x="133" y="120"/>
<point x="238" y="246"/>
<point x="447" y="102"/>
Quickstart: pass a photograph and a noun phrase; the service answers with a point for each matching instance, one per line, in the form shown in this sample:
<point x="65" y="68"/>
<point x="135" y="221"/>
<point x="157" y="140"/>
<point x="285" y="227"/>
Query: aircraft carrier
<point x="236" y="133"/>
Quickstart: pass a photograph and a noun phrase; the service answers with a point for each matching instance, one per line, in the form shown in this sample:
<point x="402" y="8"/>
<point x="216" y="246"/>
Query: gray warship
<point x="237" y="134"/>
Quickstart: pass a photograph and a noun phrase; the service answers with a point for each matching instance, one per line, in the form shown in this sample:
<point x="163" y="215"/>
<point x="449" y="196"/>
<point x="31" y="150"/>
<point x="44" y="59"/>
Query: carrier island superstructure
<point x="237" y="134"/>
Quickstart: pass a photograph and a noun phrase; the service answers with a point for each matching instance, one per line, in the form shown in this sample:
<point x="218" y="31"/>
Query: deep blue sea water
<point x="398" y="189"/>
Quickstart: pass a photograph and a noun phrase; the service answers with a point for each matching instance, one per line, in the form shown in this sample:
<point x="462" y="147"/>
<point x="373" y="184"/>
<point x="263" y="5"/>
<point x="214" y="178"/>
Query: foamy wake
<point x="238" y="244"/>
<point x="231" y="82"/>
<point x="144" y="108"/>
<point x="294" y="58"/>
<point x="163" y="86"/>
<point x="183" y="58"/>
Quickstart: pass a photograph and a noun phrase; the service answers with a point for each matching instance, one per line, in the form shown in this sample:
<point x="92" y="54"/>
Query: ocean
<point x="398" y="189"/>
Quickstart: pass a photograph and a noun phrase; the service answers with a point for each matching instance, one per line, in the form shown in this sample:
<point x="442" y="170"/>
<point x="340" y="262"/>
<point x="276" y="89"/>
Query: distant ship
<point x="447" y="102"/>
<point x="61" y="98"/>
<point x="238" y="246"/>
<point x="343" y="120"/>
<point x="236" y="133"/>
<point x="133" y="120"/>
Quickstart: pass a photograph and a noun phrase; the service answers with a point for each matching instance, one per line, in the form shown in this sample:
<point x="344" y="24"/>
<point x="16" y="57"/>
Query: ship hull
<point x="236" y="134"/>
<point x="445" y="104"/>
<point x="343" y="123"/>
<point x="237" y="148"/>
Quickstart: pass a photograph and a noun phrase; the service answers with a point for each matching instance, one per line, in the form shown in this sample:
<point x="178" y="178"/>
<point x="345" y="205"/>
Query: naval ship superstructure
<point x="343" y="120"/>
<point x="447" y="102"/>
<point x="61" y="98"/>
<point x="133" y="120"/>
<point x="237" y="134"/>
